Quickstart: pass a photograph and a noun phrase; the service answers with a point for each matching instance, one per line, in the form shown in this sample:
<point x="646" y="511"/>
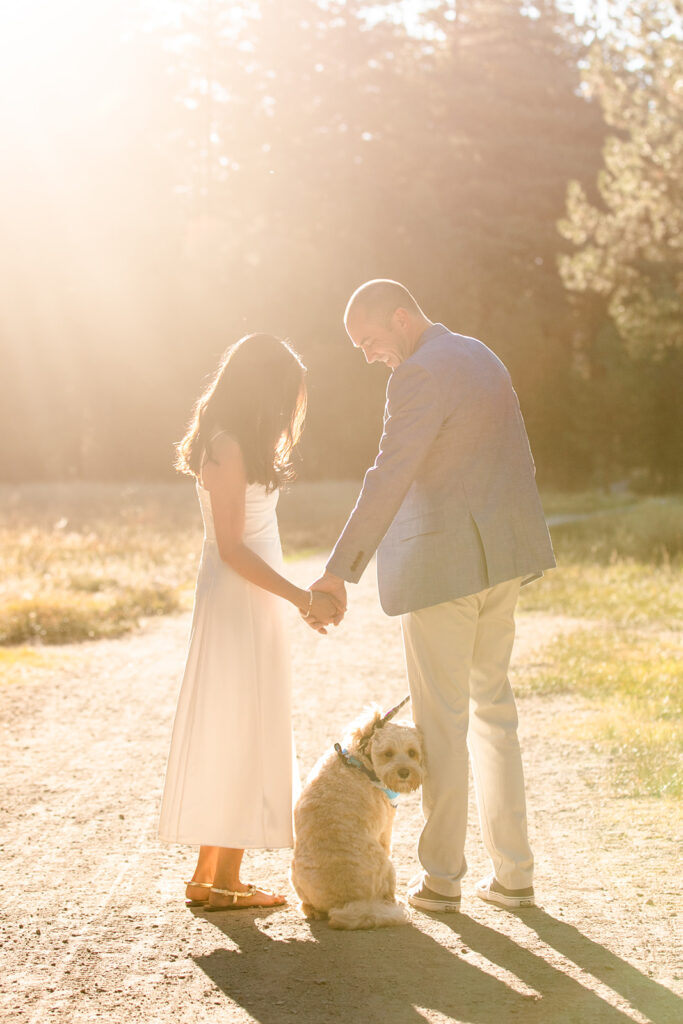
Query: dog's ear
<point x="363" y="732"/>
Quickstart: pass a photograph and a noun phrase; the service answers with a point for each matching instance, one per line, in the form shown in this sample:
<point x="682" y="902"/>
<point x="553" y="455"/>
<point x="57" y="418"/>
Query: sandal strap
<point x="202" y="885"/>
<point x="249" y="891"/>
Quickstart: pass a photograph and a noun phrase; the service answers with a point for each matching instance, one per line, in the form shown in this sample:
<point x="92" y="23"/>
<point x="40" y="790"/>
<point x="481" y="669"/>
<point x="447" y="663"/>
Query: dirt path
<point x="94" y="925"/>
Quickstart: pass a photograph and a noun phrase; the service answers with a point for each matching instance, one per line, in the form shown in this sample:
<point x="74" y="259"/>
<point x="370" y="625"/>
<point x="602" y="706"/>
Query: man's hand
<point x="324" y="610"/>
<point x="329" y="602"/>
<point x="334" y="585"/>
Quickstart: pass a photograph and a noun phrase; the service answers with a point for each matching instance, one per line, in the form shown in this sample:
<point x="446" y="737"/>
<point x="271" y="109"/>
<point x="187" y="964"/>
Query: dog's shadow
<point x="399" y="975"/>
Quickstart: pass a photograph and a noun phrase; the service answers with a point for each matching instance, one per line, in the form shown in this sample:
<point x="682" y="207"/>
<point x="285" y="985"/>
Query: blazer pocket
<point x="431" y="522"/>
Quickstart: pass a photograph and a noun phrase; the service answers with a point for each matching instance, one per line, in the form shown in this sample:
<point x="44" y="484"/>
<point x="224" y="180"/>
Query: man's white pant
<point x="457" y="656"/>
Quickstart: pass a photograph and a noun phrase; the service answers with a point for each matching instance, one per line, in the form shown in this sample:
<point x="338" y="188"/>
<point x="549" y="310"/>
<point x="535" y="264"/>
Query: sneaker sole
<point x="506" y="902"/>
<point x="436" y="906"/>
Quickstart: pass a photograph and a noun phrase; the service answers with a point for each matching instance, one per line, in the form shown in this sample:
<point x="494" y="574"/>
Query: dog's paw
<point x="311" y="913"/>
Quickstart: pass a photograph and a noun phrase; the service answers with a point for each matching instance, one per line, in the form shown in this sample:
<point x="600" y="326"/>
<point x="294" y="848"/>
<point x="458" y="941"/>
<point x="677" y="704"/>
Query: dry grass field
<point x="82" y="561"/>
<point x="87" y="561"/>
<point x="100" y="931"/>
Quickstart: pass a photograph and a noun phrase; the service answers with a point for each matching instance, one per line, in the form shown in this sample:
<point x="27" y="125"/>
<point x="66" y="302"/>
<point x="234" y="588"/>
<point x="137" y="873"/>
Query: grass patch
<point x="649" y="531"/>
<point x="85" y="561"/>
<point x="556" y="503"/>
<point x="624" y="566"/>
<point x="81" y="562"/>
<point x="61" y="617"/>
<point x="106" y="555"/>
<point x="625" y="593"/>
<point x="636" y="682"/>
<point x="89" y="549"/>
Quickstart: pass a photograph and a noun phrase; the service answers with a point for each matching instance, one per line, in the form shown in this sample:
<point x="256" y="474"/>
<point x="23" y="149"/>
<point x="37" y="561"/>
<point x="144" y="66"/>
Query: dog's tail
<point x="367" y="914"/>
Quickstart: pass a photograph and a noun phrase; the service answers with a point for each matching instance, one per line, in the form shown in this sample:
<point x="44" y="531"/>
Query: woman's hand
<point x="323" y="609"/>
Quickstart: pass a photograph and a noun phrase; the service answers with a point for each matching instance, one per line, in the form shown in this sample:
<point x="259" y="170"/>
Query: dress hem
<point x="233" y="845"/>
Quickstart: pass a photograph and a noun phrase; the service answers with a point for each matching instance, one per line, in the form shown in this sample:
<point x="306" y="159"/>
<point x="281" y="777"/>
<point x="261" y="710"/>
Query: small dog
<point x="343" y="822"/>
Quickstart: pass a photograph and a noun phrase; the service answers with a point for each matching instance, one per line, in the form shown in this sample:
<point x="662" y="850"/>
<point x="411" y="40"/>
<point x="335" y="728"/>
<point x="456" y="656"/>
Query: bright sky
<point x="408" y="11"/>
<point x="44" y="43"/>
<point x="27" y="22"/>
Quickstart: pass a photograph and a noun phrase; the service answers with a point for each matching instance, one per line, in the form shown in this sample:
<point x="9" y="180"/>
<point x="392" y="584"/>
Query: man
<point x="451" y="507"/>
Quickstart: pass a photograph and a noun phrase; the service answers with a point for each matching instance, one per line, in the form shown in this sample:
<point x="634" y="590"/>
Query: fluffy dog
<point x="343" y="821"/>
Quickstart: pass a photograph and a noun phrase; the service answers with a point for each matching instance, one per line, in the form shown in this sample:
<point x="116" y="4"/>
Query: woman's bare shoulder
<point x="225" y="460"/>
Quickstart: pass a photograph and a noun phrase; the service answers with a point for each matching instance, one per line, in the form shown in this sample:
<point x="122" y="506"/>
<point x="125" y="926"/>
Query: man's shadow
<point x="386" y="976"/>
<point x="564" y="999"/>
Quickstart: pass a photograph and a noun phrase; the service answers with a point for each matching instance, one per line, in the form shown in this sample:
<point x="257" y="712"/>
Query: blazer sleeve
<point x="412" y="419"/>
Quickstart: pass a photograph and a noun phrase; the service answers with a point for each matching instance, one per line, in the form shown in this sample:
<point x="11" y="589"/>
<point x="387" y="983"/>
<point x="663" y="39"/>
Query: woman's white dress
<point x="231" y="768"/>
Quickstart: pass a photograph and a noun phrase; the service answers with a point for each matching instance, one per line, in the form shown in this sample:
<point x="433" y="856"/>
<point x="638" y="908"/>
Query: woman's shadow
<point x="397" y="975"/>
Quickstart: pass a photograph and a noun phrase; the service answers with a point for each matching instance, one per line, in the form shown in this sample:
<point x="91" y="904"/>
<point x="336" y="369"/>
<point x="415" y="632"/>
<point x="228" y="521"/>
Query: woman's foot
<point x="197" y="889"/>
<point x="243" y="896"/>
<point x="197" y="893"/>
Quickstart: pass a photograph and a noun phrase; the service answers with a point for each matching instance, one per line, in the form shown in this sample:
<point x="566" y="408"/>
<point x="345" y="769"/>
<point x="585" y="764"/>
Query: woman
<point x="231" y="768"/>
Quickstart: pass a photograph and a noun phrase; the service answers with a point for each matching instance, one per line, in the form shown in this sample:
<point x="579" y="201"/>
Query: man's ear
<point x="400" y="318"/>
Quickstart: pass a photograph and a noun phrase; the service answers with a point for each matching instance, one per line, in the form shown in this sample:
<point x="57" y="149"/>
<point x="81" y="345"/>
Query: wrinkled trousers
<point x="457" y="657"/>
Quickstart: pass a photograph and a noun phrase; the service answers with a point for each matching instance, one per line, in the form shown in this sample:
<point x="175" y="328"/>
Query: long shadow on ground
<point x="564" y="999"/>
<point x="383" y="977"/>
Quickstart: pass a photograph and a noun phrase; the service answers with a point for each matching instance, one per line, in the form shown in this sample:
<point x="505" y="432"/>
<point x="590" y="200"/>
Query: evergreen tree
<point x="628" y="239"/>
<point x="246" y="165"/>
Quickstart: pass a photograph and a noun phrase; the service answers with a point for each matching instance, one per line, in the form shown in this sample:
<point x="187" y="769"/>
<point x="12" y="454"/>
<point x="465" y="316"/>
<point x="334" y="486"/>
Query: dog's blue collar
<point x="354" y="762"/>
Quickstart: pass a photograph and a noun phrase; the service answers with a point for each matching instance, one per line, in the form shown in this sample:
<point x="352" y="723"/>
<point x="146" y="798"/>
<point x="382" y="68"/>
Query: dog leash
<point x="388" y="715"/>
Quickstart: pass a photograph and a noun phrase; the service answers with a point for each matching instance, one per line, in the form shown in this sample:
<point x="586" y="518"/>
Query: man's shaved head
<point x="378" y="300"/>
<point x="383" y="319"/>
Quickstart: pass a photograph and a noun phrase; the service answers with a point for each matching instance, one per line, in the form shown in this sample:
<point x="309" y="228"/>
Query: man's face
<point x="380" y="342"/>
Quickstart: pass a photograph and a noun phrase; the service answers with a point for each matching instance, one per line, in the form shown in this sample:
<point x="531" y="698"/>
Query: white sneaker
<point x="509" y="899"/>
<point x="424" y="898"/>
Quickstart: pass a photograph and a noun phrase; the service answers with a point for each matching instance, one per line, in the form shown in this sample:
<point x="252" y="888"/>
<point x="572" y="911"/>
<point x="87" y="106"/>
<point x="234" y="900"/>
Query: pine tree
<point x="628" y="239"/>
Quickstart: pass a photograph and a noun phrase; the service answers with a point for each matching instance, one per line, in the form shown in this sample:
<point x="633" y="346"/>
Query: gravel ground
<point x="94" y="925"/>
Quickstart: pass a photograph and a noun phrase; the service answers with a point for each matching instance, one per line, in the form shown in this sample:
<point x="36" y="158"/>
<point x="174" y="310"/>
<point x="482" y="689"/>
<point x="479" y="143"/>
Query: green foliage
<point x="629" y="244"/>
<point x="290" y="151"/>
<point x="625" y="231"/>
<point x="636" y="683"/>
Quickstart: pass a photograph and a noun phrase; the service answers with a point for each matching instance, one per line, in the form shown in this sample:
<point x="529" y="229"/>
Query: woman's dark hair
<point x="258" y="396"/>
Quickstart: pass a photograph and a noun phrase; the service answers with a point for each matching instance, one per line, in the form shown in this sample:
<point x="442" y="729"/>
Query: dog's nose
<point x="403" y="773"/>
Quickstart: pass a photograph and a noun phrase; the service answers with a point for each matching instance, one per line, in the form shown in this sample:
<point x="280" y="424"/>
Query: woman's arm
<point x="225" y="479"/>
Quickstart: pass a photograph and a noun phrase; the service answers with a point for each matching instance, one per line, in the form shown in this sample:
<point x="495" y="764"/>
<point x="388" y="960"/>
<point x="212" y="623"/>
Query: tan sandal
<point x="238" y="894"/>
<point x="198" y="903"/>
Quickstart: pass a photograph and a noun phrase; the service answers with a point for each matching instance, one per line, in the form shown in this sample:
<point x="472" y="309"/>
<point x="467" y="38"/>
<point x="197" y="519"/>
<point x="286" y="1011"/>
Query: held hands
<point x="323" y="610"/>
<point x="327" y="603"/>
